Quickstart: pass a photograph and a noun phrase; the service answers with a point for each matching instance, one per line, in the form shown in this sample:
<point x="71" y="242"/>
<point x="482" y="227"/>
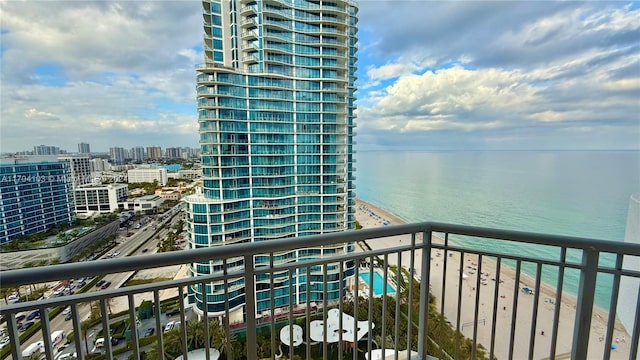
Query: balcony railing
<point x="430" y="294"/>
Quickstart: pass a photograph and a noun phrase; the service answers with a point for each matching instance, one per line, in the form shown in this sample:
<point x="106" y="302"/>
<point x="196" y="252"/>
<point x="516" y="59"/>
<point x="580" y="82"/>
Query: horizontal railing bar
<point x="102" y="294"/>
<point x="12" y="278"/>
<point x="566" y="264"/>
<point x="170" y="284"/>
<point x="537" y="238"/>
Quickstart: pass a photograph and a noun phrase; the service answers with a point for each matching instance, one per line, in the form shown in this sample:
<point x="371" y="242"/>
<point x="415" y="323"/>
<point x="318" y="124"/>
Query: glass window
<point x="218" y="56"/>
<point x="217" y="44"/>
<point x="217" y="32"/>
<point x="215" y="7"/>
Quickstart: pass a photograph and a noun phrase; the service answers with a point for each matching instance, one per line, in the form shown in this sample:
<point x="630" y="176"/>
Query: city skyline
<point x="480" y="75"/>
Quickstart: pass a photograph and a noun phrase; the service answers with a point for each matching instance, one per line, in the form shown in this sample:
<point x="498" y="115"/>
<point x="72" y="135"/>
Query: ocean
<point x="574" y="193"/>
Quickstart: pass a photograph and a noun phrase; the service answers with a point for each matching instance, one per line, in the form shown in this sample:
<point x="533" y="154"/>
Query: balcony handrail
<point x="35" y="275"/>
<point x="588" y="266"/>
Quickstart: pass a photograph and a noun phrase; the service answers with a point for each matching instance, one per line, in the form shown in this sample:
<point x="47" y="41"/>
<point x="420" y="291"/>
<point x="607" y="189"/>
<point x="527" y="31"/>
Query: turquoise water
<point x="378" y="283"/>
<point x="575" y="193"/>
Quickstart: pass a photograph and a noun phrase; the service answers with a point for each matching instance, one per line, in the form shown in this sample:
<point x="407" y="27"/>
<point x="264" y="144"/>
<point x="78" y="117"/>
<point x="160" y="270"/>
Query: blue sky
<point x="432" y="75"/>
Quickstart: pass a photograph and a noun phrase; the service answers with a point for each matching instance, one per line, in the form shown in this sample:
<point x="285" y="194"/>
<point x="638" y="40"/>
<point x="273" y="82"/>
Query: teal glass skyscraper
<point x="276" y="101"/>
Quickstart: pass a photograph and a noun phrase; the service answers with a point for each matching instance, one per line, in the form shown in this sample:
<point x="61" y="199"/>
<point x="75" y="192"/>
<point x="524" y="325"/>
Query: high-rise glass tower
<point x="276" y="112"/>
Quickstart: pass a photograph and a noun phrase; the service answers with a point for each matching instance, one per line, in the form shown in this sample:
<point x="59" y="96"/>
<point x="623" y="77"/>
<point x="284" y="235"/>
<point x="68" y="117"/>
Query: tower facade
<point x="35" y="195"/>
<point x="117" y="155"/>
<point x="84" y="148"/>
<point x="276" y="113"/>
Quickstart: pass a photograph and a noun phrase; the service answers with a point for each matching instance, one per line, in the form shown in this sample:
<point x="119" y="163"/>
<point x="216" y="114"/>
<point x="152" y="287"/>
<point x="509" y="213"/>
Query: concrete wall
<point x="63" y="253"/>
<point x="629" y="286"/>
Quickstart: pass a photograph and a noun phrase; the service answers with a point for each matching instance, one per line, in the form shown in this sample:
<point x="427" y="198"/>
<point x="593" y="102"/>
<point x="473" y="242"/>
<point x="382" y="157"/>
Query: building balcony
<point x="438" y="291"/>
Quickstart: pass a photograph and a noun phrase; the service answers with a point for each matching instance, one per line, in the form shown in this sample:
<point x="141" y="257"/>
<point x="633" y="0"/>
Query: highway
<point x="125" y="246"/>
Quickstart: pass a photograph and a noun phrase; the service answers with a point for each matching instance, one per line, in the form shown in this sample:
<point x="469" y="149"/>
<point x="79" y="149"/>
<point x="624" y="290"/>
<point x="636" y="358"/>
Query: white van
<point x="36" y="347"/>
<point x="98" y="346"/>
<point x="57" y="337"/>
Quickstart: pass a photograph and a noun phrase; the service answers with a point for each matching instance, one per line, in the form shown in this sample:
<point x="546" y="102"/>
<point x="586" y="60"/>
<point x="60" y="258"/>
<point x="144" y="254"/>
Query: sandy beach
<point x="503" y="323"/>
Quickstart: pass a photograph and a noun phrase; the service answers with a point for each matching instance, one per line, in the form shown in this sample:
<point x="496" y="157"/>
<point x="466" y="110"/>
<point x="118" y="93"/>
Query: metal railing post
<point x="424" y="294"/>
<point x="250" y="307"/>
<point x="584" y="308"/>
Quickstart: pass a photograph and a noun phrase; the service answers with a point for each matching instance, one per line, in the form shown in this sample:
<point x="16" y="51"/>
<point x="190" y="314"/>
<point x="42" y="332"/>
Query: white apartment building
<point x="148" y="175"/>
<point x="79" y="169"/>
<point x="100" y="198"/>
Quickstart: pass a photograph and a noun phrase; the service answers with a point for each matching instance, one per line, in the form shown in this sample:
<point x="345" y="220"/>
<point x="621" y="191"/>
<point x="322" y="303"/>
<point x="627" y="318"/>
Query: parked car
<point x="100" y="283"/>
<point x="145" y="250"/>
<point x="68" y="317"/>
<point x="67" y="356"/>
<point x="26" y="325"/>
<point x="149" y="331"/>
<point x="20" y="317"/>
<point x="173" y="311"/>
<point x="169" y="326"/>
<point x="34" y="315"/>
<point x="106" y="285"/>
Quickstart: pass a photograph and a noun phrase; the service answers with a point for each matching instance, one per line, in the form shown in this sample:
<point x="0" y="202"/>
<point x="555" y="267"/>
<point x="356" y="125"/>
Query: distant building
<point x="171" y="195"/>
<point x="46" y="150"/>
<point x="83" y="148"/>
<point x="173" y="153"/>
<point x="145" y="203"/>
<point x="148" y="175"/>
<point x="154" y="153"/>
<point x="79" y="169"/>
<point x="35" y="195"/>
<point x="100" y="165"/>
<point x="137" y="154"/>
<point x="117" y="155"/>
<point x="190" y="153"/>
<point x="100" y="198"/>
<point x="190" y="174"/>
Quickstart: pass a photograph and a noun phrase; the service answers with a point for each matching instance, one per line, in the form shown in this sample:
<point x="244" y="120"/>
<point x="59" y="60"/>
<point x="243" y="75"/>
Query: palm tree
<point x="153" y="352"/>
<point x="195" y="335"/>
<point x="264" y="345"/>
<point x="84" y="327"/>
<point x="173" y="343"/>
<point x="215" y="332"/>
<point x="230" y="339"/>
<point x="387" y="343"/>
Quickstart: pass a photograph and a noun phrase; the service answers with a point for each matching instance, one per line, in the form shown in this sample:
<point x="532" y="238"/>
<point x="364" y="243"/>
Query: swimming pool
<point x="378" y="283"/>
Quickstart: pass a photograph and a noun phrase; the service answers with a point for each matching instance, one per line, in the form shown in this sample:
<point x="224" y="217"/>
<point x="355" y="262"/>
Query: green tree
<point x="145" y="310"/>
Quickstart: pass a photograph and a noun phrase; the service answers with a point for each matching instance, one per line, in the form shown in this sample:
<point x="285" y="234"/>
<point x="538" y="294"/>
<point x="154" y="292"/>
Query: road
<point x="125" y="246"/>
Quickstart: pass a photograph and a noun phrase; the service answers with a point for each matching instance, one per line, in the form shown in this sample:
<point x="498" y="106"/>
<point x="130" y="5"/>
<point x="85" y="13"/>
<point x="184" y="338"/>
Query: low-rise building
<point x="190" y="174"/>
<point x="144" y="203"/>
<point x="148" y="175"/>
<point x="171" y="195"/>
<point x="100" y="198"/>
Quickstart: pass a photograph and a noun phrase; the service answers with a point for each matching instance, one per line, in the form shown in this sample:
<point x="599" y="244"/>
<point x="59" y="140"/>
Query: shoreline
<point x="504" y="311"/>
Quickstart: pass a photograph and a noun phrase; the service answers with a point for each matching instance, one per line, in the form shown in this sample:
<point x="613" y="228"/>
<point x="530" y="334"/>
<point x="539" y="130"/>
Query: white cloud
<point x="122" y="72"/>
<point x="567" y="68"/>
<point x="111" y="68"/>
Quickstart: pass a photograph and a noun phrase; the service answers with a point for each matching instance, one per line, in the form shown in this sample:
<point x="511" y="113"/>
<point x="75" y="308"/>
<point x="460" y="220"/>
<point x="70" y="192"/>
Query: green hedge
<point x="141" y="343"/>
